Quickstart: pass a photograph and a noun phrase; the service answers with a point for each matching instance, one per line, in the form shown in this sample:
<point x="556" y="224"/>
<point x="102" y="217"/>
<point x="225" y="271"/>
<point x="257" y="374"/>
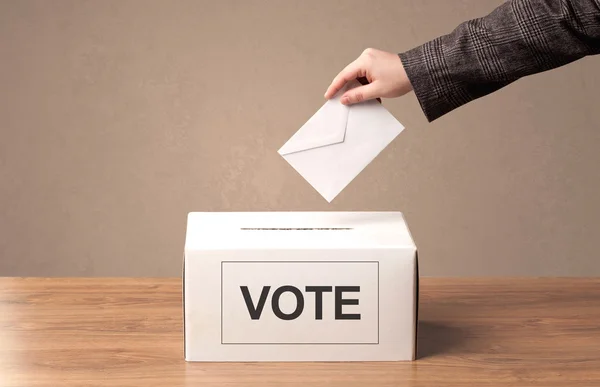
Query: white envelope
<point x="339" y="141"/>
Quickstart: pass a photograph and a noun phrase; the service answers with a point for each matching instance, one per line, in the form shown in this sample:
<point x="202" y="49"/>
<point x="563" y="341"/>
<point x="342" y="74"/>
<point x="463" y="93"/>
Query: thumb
<point x="360" y="94"/>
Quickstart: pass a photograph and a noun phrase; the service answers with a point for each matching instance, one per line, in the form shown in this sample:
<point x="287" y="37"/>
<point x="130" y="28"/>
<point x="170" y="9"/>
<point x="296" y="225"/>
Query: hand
<point x="384" y="72"/>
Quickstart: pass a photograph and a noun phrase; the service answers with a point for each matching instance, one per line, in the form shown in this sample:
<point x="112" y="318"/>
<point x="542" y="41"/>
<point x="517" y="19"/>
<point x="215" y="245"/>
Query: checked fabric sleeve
<point x="517" y="39"/>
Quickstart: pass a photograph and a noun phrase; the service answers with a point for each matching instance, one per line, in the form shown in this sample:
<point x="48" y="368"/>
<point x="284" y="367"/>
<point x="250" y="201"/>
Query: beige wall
<point x="119" y="117"/>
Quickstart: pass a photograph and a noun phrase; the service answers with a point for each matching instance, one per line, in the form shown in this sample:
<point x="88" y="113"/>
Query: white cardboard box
<point x="300" y="286"/>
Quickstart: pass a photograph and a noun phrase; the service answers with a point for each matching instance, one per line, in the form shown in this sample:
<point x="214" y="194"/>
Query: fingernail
<point x="345" y="100"/>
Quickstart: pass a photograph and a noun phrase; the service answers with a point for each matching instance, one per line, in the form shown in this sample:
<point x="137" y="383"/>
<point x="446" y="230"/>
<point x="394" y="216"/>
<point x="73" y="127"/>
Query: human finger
<point x="360" y="94"/>
<point x="352" y="71"/>
<point x="365" y="81"/>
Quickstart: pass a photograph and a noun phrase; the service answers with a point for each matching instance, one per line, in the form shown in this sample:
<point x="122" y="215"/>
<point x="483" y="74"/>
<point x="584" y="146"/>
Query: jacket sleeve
<point x="519" y="38"/>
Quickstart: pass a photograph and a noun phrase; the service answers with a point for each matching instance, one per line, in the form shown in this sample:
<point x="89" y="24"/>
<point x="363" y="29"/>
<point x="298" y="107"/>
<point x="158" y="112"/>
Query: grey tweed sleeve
<point x="519" y="38"/>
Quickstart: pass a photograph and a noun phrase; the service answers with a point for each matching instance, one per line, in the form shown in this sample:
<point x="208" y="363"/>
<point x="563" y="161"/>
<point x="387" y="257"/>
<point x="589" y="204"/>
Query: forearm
<point x="519" y="38"/>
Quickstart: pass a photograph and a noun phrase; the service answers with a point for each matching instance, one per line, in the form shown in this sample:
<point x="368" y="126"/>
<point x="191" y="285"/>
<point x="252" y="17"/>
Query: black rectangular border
<point x="376" y="262"/>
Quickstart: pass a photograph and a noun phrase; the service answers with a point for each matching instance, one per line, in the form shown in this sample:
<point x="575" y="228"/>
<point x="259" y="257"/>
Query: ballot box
<point x="299" y="286"/>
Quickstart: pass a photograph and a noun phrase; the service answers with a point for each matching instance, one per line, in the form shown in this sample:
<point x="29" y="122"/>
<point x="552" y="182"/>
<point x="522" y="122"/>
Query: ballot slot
<point x="296" y="228"/>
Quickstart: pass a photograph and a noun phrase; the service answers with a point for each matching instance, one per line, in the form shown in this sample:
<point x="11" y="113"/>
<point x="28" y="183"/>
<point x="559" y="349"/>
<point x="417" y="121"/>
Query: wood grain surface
<point x="128" y="332"/>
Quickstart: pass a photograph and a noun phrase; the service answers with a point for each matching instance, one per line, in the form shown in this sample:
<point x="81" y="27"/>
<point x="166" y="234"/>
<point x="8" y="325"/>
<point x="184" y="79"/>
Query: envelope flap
<point x="326" y="127"/>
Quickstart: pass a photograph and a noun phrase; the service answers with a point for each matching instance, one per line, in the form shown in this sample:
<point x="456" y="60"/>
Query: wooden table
<point x="128" y="332"/>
